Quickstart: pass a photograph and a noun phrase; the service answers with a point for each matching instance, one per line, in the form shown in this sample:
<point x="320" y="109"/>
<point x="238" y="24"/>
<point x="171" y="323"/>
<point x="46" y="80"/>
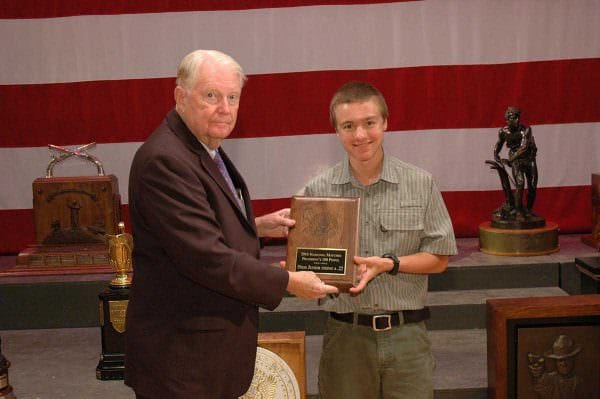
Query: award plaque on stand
<point x="325" y="238"/>
<point x="6" y="391"/>
<point x="113" y="303"/>
<point x="72" y="215"/>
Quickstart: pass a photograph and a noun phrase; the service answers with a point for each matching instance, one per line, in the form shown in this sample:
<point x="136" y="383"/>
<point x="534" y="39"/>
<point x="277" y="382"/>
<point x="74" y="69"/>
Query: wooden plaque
<point x="325" y="238"/>
<point x="520" y="336"/>
<point x="72" y="216"/>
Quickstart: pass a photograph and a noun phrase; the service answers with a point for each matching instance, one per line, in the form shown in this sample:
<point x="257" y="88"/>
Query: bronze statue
<point x="522" y="152"/>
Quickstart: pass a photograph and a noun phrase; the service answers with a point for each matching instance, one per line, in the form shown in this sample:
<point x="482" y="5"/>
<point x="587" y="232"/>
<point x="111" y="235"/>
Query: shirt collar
<point x="210" y="151"/>
<point x="344" y="176"/>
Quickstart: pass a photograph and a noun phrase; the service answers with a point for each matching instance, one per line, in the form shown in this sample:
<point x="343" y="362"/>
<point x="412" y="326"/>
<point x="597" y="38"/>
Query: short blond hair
<point x="357" y="92"/>
<point x="188" y="67"/>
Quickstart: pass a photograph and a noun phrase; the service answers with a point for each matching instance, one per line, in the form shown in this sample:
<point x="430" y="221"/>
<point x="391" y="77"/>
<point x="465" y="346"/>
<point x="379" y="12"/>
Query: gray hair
<point x="186" y="72"/>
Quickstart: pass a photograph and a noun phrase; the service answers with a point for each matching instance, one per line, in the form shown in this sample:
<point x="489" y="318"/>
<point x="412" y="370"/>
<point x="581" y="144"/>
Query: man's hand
<point x="308" y="286"/>
<point x="369" y="268"/>
<point x="274" y="224"/>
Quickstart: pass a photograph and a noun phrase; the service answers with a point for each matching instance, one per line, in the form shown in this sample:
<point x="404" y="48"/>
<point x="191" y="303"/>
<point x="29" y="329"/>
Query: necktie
<point x="223" y="169"/>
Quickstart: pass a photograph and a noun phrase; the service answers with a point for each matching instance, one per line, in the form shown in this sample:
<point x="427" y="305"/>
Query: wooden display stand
<point x="290" y="347"/>
<point x="593" y="240"/>
<point x="72" y="216"/>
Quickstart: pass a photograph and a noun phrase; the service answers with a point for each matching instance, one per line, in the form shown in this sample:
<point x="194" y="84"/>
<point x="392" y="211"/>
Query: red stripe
<point x="65" y="8"/>
<point x="436" y="97"/>
<point x="570" y="207"/>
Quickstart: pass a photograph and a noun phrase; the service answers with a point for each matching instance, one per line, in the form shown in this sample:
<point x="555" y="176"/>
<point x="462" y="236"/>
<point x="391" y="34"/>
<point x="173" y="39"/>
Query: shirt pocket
<point x="401" y="228"/>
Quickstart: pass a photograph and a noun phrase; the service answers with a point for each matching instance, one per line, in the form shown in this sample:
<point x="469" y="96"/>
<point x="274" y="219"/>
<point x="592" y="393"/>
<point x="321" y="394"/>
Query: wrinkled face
<point x="360" y="128"/>
<point x="209" y="108"/>
<point x="565" y="366"/>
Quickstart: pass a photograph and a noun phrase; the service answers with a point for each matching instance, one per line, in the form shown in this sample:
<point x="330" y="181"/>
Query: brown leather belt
<point x="384" y="322"/>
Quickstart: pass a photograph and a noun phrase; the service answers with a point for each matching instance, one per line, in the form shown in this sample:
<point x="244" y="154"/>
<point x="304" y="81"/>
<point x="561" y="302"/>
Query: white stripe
<point x="442" y="32"/>
<point x="278" y="167"/>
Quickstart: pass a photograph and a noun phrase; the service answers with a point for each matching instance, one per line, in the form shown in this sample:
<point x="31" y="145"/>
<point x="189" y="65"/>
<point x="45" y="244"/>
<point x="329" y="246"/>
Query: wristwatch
<point x="394" y="259"/>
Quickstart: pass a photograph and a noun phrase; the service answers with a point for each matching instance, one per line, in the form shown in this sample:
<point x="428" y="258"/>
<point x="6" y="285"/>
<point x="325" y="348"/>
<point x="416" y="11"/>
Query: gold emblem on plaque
<point x="117" y="311"/>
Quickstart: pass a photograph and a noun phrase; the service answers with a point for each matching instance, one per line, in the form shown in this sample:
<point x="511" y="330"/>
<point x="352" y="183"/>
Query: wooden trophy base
<point x="63" y="259"/>
<point x="518" y="242"/>
<point x="113" y="304"/>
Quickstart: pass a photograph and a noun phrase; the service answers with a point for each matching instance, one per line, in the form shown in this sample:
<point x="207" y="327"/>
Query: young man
<point x="191" y="328"/>
<point x="375" y="343"/>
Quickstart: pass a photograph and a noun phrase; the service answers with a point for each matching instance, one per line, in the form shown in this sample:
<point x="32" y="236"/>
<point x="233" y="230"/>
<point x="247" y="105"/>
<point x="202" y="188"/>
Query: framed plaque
<point x="544" y="347"/>
<point x="325" y="238"/>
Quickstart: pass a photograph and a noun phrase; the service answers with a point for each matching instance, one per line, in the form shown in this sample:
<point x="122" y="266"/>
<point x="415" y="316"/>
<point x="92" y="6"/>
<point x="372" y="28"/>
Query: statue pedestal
<point x="518" y="242"/>
<point x="113" y="308"/>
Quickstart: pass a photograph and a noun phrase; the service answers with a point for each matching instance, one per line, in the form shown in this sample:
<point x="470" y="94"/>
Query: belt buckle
<point x="388" y="317"/>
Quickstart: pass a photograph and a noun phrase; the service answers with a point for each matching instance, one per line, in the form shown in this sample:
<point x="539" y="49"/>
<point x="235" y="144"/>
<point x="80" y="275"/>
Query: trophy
<point x="6" y="391"/>
<point x="515" y="230"/>
<point x="324" y="239"/>
<point x="72" y="214"/>
<point x="113" y="307"/>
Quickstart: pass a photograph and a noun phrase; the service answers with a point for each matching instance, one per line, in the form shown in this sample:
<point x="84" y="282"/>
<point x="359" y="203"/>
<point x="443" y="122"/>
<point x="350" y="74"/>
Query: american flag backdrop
<point x="75" y="72"/>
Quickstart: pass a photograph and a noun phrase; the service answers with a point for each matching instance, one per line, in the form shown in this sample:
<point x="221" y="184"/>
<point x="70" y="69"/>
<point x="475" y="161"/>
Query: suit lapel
<point x="181" y="130"/>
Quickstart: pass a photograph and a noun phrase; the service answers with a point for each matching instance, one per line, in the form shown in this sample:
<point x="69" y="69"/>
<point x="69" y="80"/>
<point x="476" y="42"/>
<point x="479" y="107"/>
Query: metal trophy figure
<point x="120" y="247"/>
<point x="515" y="230"/>
<point x="6" y="391"/>
<point x="113" y="307"/>
<point x="79" y="152"/>
<point x="516" y="213"/>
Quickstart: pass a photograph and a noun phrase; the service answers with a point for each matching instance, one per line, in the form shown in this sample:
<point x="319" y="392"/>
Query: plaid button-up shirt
<point x="403" y="213"/>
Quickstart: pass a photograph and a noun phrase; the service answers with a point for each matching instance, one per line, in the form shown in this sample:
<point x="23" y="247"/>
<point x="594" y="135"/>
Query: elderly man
<point x="192" y="319"/>
<point x="375" y="343"/>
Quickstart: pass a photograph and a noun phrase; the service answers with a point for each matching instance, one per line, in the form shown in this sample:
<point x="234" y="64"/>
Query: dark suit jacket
<point x="192" y="318"/>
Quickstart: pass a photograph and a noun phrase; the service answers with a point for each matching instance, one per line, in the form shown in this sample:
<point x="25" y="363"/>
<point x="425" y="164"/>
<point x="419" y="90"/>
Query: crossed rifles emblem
<point x="79" y="152"/>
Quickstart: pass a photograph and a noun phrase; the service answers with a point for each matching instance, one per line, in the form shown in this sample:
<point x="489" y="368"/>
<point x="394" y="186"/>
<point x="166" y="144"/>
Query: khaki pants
<point x="359" y="363"/>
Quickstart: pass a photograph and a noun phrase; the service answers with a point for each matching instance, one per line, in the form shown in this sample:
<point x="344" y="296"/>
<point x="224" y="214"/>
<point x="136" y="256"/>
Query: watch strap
<point x="394" y="259"/>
